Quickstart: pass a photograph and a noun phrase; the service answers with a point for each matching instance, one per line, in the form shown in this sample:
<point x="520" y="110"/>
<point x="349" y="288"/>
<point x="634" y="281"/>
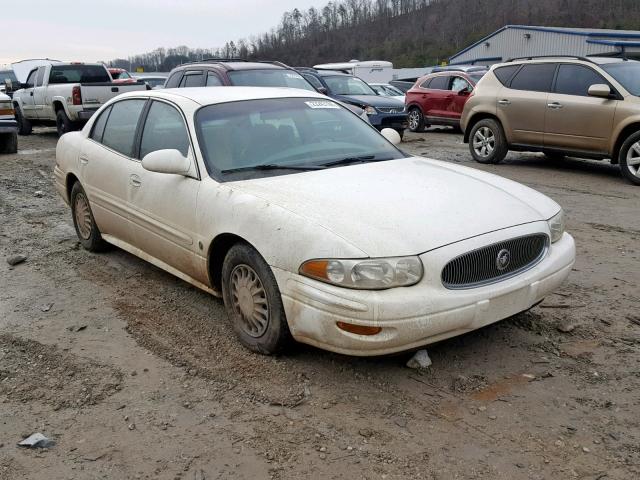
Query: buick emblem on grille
<point x="503" y="259"/>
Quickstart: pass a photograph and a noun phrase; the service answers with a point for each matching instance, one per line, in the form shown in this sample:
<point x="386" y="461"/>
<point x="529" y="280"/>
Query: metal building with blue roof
<point x="522" y="41"/>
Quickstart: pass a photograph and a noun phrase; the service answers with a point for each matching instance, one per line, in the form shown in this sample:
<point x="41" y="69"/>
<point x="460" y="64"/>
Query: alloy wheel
<point x="633" y="159"/>
<point x="82" y="214"/>
<point x="249" y="300"/>
<point x="414" y="119"/>
<point x="484" y="142"/>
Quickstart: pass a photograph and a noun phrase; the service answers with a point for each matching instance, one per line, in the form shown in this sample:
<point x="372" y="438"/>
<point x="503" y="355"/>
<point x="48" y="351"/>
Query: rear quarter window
<point x="504" y="74"/>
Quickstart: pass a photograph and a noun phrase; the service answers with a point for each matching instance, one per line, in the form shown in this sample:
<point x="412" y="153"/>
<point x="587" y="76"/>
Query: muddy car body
<point x="351" y="247"/>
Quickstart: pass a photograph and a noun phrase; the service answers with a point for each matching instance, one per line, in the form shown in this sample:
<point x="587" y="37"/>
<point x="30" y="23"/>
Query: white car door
<point x="105" y="165"/>
<point x="164" y="205"/>
<point x="43" y="111"/>
<point x="28" y="106"/>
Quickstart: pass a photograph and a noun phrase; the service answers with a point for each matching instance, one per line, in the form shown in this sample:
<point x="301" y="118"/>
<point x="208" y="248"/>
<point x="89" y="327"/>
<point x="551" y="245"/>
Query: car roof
<point x="561" y="58"/>
<point x="214" y="95"/>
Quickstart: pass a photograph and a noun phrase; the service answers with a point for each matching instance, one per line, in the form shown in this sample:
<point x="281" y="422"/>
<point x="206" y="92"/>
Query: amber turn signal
<point x="358" y="329"/>
<point x="315" y="269"/>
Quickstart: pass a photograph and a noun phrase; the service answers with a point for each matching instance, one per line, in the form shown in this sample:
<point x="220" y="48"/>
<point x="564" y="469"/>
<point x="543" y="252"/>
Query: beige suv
<point x="582" y="107"/>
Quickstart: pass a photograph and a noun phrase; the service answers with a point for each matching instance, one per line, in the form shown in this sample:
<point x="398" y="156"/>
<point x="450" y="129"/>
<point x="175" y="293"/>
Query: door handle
<point x="31" y="94"/>
<point x="84" y="160"/>
<point x="504" y="102"/>
<point x="135" y="181"/>
<point x="555" y="105"/>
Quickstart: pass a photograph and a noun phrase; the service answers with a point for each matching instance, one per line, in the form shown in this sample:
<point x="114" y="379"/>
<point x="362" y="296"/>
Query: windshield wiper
<point x="347" y="160"/>
<point x="273" y="166"/>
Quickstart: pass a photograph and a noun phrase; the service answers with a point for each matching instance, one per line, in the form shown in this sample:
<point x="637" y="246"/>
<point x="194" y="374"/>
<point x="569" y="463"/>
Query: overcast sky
<point x="92" y="30"/>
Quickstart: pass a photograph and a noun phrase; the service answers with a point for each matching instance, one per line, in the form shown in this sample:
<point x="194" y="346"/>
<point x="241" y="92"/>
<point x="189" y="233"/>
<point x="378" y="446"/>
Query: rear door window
<point x="120" y="130"/>
<point x="535" y="77"/>
<point x="164" y="128"/>
<point x="439" y="83"/>
<point x="213" y="80"/>
<point x="576" y="80"/>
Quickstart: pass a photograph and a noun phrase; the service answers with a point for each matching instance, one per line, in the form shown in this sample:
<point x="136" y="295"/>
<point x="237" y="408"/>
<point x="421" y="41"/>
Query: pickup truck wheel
<point x="487" y="142"/>
<point x="83" y="221"/>
<point x="9" y="143"/>
<point x="63" y="124"/>
<point x="629" y="159"/>
<point x="24" y="125"/>
<point x="253" y="301"/>
<point x="416" y="120"/>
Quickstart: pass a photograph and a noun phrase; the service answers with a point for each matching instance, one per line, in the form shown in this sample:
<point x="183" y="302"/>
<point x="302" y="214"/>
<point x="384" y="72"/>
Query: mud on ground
<point x="136" y="374"/>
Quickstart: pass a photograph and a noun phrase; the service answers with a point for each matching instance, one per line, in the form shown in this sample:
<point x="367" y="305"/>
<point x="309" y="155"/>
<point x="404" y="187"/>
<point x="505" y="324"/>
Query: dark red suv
<point x="438" y="98"/>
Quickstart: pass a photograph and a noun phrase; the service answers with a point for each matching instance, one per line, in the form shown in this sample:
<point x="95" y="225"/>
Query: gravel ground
<point x="136" y="374"/>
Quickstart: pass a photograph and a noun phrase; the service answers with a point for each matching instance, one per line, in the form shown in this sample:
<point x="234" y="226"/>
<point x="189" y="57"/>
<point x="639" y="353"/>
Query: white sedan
<point x="307" y="221"/>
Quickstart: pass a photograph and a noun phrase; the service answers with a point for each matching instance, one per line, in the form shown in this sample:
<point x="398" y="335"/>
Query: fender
<point x="63" y="101"/>
<point x="622" y="131"/>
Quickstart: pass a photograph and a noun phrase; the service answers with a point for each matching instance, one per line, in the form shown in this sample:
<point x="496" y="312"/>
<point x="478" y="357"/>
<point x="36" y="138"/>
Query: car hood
<point x="373" y="100"/>
<point x="403" y="207"/>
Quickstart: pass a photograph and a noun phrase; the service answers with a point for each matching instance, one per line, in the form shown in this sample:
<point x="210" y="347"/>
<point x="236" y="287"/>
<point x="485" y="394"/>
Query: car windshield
<point x="8" y="74"/>
<point x="346" y="85"/>
<point x="269" y="78"/>
<point x="78" y="73"/>
<point x="287" y="133"/>
<point x="627" y="74"/>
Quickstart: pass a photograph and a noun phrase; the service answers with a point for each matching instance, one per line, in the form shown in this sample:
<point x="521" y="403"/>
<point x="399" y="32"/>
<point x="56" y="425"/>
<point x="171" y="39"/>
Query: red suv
<point x="438" y="98"/>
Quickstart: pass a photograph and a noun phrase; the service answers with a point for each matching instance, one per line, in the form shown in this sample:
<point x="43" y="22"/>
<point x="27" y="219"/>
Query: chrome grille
<point x="390" y="109"/>
<point x="483" y="266"/>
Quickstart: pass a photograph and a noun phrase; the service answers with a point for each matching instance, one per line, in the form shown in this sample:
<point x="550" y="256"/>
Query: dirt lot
<point x="136" y="374"/>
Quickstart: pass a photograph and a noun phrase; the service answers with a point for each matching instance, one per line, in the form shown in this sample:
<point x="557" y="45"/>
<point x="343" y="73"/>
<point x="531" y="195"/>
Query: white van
<point x="378" y="71"/>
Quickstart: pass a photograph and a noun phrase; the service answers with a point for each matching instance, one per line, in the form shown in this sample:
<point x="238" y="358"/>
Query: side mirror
<point x="166" y="161"/>
<point x="322" y="90"/>
<point x="600" y="90"/>
<point x="8" y="85"/>
<point x="464" y="92"/>
<point x="391" y="135"/>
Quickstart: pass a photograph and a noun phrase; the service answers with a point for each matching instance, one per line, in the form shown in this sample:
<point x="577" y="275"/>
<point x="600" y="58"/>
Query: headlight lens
<point x="369" y="110"/>
<point x="369" y="274"/>
<point x="6" y="108"/>
<point x="556" y="226"/>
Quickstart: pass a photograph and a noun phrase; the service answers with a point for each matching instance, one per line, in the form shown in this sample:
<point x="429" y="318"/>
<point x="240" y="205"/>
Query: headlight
<point x="6" y="108"/>
<point x="369" y="110"/>
<point x="556" y="226"/>
<point x="369" y="274"/>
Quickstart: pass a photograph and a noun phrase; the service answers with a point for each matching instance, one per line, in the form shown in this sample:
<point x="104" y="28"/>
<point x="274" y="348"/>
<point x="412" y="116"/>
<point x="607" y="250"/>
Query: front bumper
<point x="397" y="121"/>
<point x="424" y="313"/>
<point x="8" y="126"/>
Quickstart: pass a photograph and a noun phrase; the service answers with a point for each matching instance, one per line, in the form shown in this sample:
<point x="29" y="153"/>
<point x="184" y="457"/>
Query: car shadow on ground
<point x="567" y="164"/>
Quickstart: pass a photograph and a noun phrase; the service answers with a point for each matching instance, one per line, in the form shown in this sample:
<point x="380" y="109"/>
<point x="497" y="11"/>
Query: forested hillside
<point x="406" y="32"/>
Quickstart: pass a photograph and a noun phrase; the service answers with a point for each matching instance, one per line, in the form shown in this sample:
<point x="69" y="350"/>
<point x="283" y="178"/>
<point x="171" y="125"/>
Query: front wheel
<point x="487" y="142"/>
<point x="9" y="143"/>
<point x="416" y="120"/>
<point x="253" y="301"/>
<point x="629" y="159"/>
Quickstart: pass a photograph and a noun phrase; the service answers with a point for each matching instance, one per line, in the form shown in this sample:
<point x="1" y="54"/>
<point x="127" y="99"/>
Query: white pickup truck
<point x="65" y="95"/>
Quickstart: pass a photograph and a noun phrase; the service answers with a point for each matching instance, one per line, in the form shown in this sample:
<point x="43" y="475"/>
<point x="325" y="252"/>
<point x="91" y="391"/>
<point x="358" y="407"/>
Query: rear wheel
<point x="83" y="221"/>
<point x="629" y="159"/>
<point x="253" y="301"/>
<point x="63" y="124"/>
<point x="487" y="142"/>
<point x="416" y="120"/>
<point x="24" y="125"/>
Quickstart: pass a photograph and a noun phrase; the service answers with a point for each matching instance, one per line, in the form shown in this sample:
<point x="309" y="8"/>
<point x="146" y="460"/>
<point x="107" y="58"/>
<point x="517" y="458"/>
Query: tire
<point x="401" y="133"/>
<point x="629" y="158"/>
<point x="63" y="124"/>
<point x="24" y="125"/>
<point x="9" y="143"/>
<point x="487" y="142"/>
<point x="266" y="333"/>
<point x="83" y="221"/>
<point x="416" y="120"/>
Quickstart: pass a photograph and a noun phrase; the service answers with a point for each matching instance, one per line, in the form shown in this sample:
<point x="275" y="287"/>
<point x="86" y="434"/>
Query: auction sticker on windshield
<point x="322" y="104"/>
